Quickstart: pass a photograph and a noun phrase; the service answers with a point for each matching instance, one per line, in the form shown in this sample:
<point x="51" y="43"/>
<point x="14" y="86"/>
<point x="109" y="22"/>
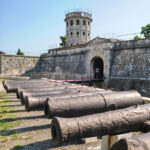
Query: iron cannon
<point x="108" y="123"/>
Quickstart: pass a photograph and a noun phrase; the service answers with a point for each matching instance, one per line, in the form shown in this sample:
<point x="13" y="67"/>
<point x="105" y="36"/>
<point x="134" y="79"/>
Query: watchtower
<point x="78" y="27"/>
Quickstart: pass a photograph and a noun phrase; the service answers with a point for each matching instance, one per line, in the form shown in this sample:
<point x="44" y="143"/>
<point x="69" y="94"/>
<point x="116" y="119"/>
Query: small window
<point x="88" y="34"/>
<point x="77" y="22"/>
<point x="84" y="22"/>
<point x="71" y="22"/>
<point x="84" y="33"/>
<point x="71" y="33"/>
<point x="88" y="22"/>
<point x="67" y="23"/>
<point x="77" y="33"/>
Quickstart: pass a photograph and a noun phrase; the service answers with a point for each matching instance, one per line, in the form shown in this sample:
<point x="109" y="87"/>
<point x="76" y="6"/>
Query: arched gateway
<point x="97" y="68"/>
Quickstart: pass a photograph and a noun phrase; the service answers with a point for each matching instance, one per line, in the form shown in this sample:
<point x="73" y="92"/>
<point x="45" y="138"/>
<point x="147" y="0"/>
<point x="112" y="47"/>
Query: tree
<point x="137" y="37"/>
<point x="145" y="30"/>
<point x="63" y="41"/>
<point x="19" y="52"/>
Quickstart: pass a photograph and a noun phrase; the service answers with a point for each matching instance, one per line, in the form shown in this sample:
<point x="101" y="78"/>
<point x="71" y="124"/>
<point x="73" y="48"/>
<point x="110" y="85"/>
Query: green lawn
<point x="6" y="119"/>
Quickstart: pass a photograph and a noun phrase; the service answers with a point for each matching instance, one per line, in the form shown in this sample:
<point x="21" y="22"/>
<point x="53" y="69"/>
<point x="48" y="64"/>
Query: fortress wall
<point x="18" y="65"/>
<point x="75" y="62"/>
<point x="130" y="66"/>
<point x="65" y="62"/>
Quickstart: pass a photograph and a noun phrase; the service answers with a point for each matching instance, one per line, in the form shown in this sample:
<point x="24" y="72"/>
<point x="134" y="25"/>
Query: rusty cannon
<point x="23" y="83"/>
<point x="17" y="86"/>
<point x="37" y="91"/>
<point x="12" y="86"/>
<point x="125" y="120"/>
<point x="38" y="103"/>
<point x="140" y="142"/>
<point x="86" y="105"/>
<point x="55" y="91"/>
<point x="48" y="86"/>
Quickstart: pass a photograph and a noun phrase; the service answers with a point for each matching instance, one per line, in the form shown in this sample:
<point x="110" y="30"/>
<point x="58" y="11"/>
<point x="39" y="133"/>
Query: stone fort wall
<point x="18" y="65"/>
<point x="64" y="64"/>
<point x="130" y="66"/>
<point x="75" y="62"/>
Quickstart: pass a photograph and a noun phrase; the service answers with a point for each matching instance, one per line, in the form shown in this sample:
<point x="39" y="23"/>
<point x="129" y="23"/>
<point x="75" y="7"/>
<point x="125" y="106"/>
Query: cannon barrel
<point x="17" y="88"/>
<point x="108" y="123"/>
<point x="11" y="86"/>
<point x="46" y="91"/>
<point x="52" y="91"/>
<point x="38" y="103"/>
<point x="86" y="105"/>
<point x="140" y="142"/>
<point x="36" y="88"/>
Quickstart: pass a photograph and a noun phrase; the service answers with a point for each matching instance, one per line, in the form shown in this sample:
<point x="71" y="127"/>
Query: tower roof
<point x="75" y="14"/>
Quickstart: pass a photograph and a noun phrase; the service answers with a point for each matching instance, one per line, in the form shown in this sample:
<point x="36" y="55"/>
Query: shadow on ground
<point x="42" y="145"/>
<point x="22" y="118"/>
<point x="21" y="130"/>
<point x="12" y="111"/>
<point x="11" y="105"/>
<point x="7" y="101"/>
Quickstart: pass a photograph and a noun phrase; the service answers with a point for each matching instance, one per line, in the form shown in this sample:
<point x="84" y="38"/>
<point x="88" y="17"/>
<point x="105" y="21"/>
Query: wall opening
<point x="97" y="68"/>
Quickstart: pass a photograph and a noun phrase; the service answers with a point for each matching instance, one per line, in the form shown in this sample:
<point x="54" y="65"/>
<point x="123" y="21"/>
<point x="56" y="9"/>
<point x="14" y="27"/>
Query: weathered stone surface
<point x="18" y="65"/>
<point x="130" y="66"/>
<point x="76" y="62"/>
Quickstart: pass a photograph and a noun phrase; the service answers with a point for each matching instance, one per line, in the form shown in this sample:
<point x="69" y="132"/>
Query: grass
<point x="7" y="120"/>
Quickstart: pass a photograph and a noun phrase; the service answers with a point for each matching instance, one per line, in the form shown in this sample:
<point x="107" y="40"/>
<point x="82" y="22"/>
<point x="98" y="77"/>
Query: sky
<point x="36" y="25"/>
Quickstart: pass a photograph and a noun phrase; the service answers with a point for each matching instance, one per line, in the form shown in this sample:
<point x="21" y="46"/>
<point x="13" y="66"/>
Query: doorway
<point x="97" y="68"/>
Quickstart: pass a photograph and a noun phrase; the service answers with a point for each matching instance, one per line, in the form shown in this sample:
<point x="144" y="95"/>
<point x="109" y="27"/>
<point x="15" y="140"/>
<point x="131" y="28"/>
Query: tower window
<point x="67" y="23"/>
<point x="77" y="33"/>
<point x="71" y="22"/>
<point x="84" y="33"/>
<point x="88" y="34"/>
<point x="84" y="22"/>
<point x="88" y="22"/>
<point x="77" y="22"/>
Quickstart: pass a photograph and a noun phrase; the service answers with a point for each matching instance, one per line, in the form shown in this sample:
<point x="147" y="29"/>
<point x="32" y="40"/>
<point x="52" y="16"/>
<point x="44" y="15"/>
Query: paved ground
<point x="31" y="130"/>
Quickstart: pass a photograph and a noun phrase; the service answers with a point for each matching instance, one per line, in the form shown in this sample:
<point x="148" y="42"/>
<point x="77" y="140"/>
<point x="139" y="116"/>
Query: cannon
<point x="52" y="91"/>
<point x="38" y="103"/>
<point x="37" y="88"/>
<point x="140" y="142"/>
<point x="47" y="90"/>
<point x="125" y="120"/>
<point x="12" y="87"/>
<point x="86" y="105"/>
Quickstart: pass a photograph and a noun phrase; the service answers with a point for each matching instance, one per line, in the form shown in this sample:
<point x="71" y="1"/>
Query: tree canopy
<point x="19" y="52"/>
<point x="145" y="30"/>
<point x="63" y="41"/>
<point x="137" y="37"/>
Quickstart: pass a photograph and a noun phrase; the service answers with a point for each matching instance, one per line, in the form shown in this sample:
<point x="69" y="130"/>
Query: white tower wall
<point x="78" y="28"/>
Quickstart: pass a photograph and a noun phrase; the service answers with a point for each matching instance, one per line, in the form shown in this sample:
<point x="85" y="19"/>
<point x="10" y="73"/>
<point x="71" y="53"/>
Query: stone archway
<point x="97" y="68"/>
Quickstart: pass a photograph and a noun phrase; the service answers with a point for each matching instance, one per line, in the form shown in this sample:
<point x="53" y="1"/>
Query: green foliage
<point x="137" y="37"/>
<point x="145" y="30"/>
<point x="63" y="41"/>
<point x="18" y="147"/>
<point x="19" y="52"/>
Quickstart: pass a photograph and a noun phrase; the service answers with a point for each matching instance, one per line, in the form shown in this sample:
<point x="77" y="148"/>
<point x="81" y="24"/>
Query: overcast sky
<point x="35" y="25"/>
